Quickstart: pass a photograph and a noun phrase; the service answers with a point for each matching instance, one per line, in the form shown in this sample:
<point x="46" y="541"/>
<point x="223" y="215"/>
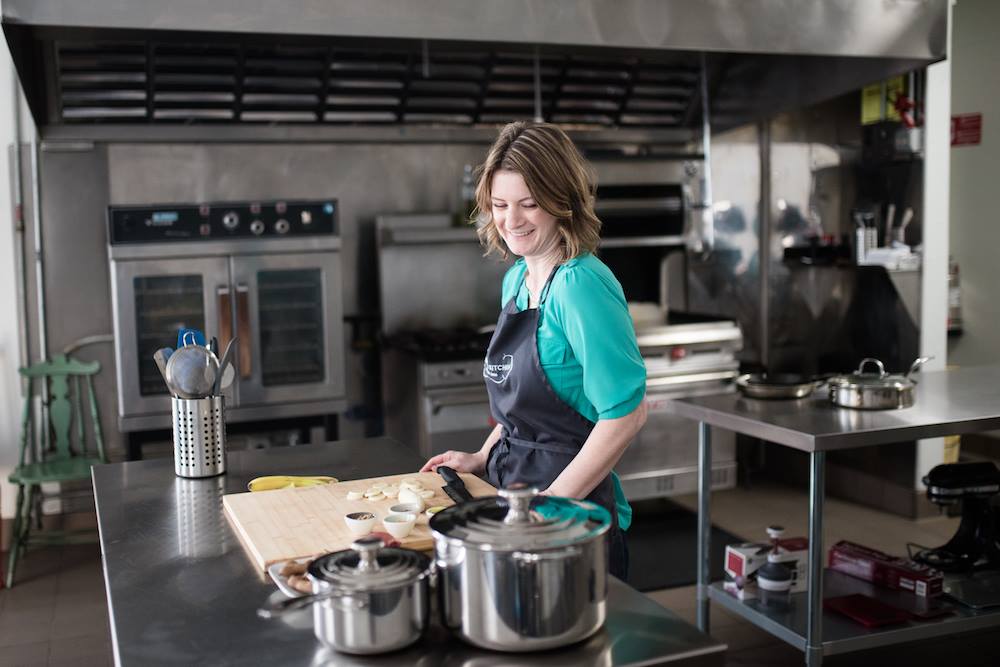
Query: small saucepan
<point x="778" y="386"/>
<point x="366" y="599"/>
<point x="876" y="390"/>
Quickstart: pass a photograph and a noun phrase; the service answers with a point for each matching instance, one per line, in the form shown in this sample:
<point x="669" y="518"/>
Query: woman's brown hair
<point x="558" y="177"/>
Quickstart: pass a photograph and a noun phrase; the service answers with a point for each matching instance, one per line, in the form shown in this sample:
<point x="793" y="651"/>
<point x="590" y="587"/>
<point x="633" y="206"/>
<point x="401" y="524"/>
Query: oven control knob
<point x="231" y="220"/>
<point x="257" y="227"/>
<point x="282" y="226"/>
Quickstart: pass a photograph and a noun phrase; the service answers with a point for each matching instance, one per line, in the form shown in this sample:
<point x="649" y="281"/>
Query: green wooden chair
<point x="54" y="452"/>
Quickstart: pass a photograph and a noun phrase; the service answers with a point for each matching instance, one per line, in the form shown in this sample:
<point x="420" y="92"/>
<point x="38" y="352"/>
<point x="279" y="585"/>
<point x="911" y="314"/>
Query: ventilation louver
<point x="182" y="83"/>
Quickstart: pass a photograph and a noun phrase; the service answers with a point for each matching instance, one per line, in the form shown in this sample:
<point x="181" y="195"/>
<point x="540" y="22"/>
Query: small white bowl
<point x="399" y="525"/>
<point x="404" y="508"/>
<point x="360" y="523"/>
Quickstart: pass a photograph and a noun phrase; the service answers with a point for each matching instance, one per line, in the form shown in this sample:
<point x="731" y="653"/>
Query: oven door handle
<point x="243" y="330"/>
<point x="225" y="300"/>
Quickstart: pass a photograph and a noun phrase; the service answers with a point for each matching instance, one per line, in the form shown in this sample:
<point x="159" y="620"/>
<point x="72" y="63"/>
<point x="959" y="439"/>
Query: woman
<point x="563" y="371"/>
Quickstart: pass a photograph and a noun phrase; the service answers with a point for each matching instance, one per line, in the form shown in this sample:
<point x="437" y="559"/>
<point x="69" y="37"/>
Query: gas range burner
<point x="442" y="344"/>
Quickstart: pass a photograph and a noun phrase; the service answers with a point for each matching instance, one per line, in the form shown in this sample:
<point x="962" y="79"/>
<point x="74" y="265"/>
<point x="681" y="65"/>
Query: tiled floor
<point x="57" y="614"/>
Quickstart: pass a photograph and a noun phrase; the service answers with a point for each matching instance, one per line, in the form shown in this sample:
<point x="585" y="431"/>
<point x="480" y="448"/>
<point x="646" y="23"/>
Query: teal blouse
<point x="586" y="344"/>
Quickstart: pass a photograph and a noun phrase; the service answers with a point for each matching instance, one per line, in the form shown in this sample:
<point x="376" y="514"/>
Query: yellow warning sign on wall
<point x="877" y="100"/>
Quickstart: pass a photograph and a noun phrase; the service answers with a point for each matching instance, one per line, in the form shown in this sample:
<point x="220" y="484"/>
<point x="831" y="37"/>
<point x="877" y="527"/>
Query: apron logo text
<point x="498" y="372"/>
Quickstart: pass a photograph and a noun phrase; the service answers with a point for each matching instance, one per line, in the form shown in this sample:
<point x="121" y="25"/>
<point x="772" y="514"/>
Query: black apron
<point x="541" y="432"/>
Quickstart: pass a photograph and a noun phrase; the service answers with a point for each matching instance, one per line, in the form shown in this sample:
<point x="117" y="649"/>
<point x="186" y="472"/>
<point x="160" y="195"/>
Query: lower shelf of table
<point x="841" y="634"/>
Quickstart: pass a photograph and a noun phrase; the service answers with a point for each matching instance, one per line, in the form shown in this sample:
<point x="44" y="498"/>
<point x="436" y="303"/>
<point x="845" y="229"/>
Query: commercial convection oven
<point x="266" y="272"/>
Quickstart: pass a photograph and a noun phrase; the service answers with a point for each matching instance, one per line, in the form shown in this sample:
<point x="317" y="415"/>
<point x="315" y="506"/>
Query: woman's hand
<point x="460" y="461"/>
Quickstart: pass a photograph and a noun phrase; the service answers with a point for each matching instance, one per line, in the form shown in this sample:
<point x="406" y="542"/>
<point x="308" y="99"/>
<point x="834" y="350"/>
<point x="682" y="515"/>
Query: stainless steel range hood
<point x="600" y="63"/>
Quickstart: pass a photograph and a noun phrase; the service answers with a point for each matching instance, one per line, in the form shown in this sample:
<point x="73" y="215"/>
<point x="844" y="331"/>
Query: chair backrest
<point x="63" y="376"/>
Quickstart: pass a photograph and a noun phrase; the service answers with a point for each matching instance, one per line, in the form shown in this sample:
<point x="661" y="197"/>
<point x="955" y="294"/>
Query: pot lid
<point x="880" y="379"/>
<point x="369" y="565"/>
<point x="520" y="518"/>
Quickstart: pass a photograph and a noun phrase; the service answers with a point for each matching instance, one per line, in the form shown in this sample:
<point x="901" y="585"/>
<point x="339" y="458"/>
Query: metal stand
<point x="704" y="522"/>
<point x="814" y="627"/>
<point x="814" y="638"/>
<point x="964" y="401"/>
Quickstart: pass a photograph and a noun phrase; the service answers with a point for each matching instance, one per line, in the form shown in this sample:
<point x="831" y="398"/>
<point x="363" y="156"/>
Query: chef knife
<point x="454" y="487"/>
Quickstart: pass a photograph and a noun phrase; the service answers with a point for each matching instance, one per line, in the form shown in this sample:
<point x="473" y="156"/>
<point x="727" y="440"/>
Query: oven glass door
<point x="153" y="299"/>
<point x="289" y="317"/>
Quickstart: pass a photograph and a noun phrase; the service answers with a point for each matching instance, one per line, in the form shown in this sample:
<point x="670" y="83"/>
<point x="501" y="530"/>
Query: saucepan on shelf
<point x="875" y="389"/>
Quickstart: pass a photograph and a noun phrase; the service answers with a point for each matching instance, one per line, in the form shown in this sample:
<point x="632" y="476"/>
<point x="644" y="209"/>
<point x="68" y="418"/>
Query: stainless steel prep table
<point x="181" y="590"/>
<point x="965" y="400"/>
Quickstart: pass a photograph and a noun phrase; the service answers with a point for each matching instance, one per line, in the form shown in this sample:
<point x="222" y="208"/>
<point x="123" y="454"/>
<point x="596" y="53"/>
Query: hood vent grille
<point x="185" y="83"/>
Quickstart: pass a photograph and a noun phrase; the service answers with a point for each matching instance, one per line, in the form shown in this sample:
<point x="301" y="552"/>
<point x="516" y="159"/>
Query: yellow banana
<point x="287" y="482"/>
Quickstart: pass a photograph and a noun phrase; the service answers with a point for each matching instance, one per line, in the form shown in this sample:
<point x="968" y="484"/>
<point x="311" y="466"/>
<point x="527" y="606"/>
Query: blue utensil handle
<point x="190" y="337"/>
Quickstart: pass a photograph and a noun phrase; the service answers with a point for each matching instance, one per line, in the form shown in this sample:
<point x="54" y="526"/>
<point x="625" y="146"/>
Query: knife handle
<point x="455" y="495"/>
<point x="450" y="476"/>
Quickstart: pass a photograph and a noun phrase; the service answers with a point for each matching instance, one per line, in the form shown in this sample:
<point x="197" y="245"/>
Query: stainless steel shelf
<point x="953" y="402"/>
<point x="841" y="634"/>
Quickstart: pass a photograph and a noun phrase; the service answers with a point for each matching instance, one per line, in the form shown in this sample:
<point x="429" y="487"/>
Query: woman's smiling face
<point x="526" y="228"/>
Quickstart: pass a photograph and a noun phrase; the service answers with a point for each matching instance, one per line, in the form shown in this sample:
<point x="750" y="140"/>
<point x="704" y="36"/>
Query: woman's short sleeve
<point x="590" y="307"/>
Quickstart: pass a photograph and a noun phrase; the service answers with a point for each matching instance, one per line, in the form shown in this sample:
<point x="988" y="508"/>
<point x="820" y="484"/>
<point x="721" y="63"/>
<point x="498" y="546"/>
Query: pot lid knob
<point x="368" y="548"/>
<point x="518" y="497"/>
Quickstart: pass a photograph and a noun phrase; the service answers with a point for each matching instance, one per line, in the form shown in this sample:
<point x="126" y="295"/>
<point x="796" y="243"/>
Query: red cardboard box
<point x="743" y="560"/>
<point x="884" y="570"/>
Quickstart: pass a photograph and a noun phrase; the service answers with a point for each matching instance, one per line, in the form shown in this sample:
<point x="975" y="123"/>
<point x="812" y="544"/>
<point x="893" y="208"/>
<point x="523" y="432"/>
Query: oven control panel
<point x="223" y="220"/>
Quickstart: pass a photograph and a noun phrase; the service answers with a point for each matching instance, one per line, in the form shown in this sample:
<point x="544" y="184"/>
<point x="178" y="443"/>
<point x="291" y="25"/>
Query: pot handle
<point x="276" y="609"/>
<point x="881" y="366"/>
<point x="915" y="366"/>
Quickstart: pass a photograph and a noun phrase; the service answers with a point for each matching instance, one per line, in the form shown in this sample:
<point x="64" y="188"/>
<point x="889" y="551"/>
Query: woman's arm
<point x="599" y="454"/>
<point x="464" y="461"/>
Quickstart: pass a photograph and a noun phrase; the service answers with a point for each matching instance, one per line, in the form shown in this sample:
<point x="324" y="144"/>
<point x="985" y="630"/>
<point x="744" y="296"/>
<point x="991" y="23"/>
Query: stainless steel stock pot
<point x="522" y="572"/>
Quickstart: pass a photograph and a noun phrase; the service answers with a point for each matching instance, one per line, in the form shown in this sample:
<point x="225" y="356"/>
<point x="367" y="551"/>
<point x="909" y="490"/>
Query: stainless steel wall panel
<point x="367" y="180"/>
<point x="814" y="153"/>
<point x="74" y="196"/>
<point x="726" y="282"/>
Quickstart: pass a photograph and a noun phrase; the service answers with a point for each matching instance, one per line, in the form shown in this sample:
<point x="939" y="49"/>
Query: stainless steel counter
<point x="964" y="400"/>
<point x="181" y="590"/>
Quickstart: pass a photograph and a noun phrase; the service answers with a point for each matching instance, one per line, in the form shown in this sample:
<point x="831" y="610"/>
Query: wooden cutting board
<point x="295" y="523"/>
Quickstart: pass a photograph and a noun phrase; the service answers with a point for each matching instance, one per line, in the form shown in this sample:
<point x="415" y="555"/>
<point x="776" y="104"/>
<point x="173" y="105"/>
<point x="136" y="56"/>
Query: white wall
<point x="936" y="226"/>
<point x="10" y="387"/>
<point x="975" y="209"/>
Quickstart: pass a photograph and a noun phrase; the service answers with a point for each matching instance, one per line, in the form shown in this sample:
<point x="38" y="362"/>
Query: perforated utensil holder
<point x="199" y="436"/>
